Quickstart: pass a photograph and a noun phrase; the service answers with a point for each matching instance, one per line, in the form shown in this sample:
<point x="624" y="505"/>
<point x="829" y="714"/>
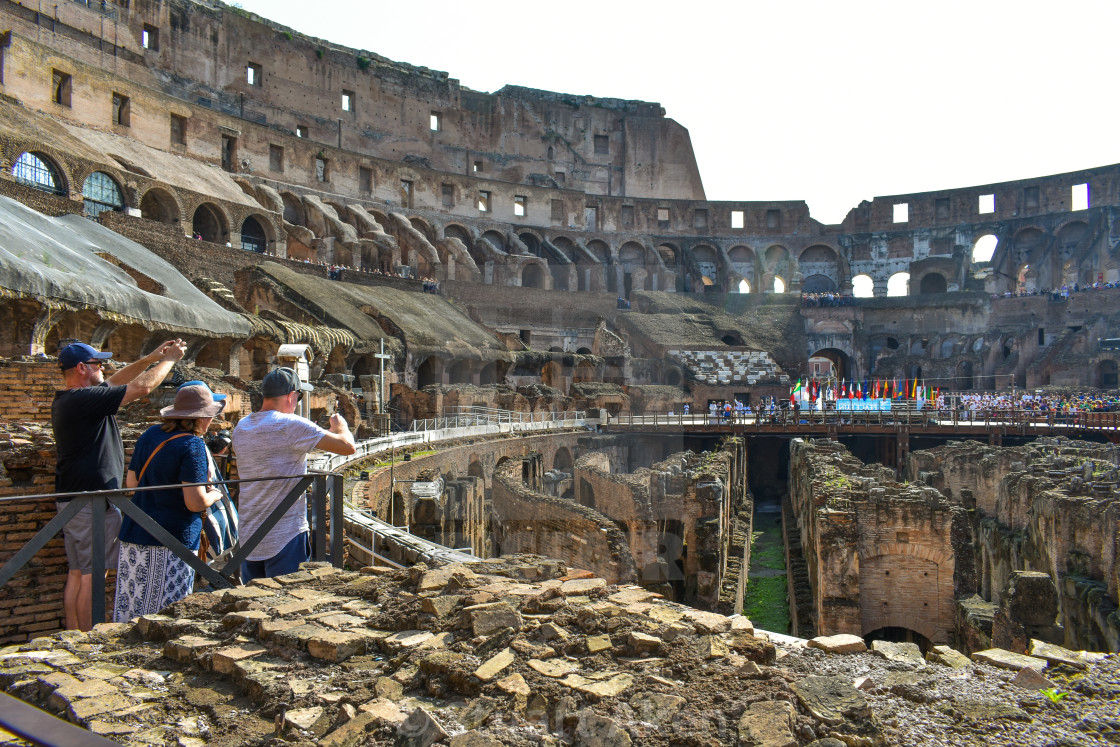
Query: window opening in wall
<point x="483" y="202"/>
<point x="700" y="218"/>
<point x="602" y="145"/>
<point x="275" y="157"/>
<point x="520" y="203"/>
<point x="365" y="179"/>
<point x="941" y="208"/>
<point x="899" y="284"/>
<point x="591" y="217"/>
<point x="347" y="101"/>
<point x="984" y="249"/>
<point x="987" y="204"/>
<point x="149" y="38"/>
<point x="38" y="173"/>
<point x="738" y="218"/>
<point x="406" y="193"/>
<point x="774" y="219"/>
<point x="435" y="122"/>
<point x="301" y="130"/>
<point x="321" y="174"/>
<point x="902" y="212"/>
<point x="478" y="166"/>
<point x="779" y="285"/>
<point x="121" y="106"/>
<point x="557" y="212"/>
<point x="178" y="130"/>
<point x="1079" y="199"/>
<point x="101" y="193"/>
<point x="61" y="85"/>
<point x="447" y="193"/>
<point x="560" y="177"/>
<point x="863" y="286"/>
<point x="253" y="238"/>
<point x="253" y="74"/>
<point x="526" y="336"/>
<point x="662" y="217"/>
<point x="744" y="286"/>
<point x="550" y="153"/>
<point x="627" y="216"/>
<point x="1030" y="197"/>
<point x="1041" y="337"/>
<point x="229" y="153"/>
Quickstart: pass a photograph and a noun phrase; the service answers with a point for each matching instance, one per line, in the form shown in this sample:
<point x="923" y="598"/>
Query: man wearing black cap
<point x="272" y="442"/>
<point x="90" y="455"/>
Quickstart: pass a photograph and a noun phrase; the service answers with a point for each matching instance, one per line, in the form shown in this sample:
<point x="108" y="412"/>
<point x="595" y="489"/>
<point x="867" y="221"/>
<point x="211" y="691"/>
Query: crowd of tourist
<point x="1057" y="294"/>
<point x="1040" y="403"/>
<point x="827" y="299"/>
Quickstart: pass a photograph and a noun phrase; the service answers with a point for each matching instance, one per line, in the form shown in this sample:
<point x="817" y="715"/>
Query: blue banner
<point x="864" y="405"/>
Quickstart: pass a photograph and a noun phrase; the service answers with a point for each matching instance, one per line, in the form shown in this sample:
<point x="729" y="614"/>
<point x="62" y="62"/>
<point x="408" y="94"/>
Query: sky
<point x="830" y="102"/>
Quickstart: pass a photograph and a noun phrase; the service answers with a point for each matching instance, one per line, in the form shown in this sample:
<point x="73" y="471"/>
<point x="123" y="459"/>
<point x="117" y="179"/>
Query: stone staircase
<point x="730" y="367"/>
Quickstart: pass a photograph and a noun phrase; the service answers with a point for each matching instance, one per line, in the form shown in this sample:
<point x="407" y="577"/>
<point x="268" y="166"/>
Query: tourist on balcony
<point x="149" y="575"/>
<point x="274" y="442"/>
<point x="90" y="455"/>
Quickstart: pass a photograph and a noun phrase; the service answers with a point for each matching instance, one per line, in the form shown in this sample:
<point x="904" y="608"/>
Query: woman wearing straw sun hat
<point x="150" y="576"/>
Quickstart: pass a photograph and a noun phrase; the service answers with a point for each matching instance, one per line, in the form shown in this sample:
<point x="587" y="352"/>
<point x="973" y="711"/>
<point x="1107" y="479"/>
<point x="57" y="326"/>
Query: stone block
<point x="188" y="648"/>
<point x="336" y="645"/>
<point x="605" y="684"/>
<point x="641" y="643"/>
<point x="948" y="657"/>
<point x="1030" y="678"/>
<point x="420" y="729"/>
<point x="768" y="724"/>
<point x="656" y="708"/>
<point x="832" y="700"/>
<point x="495" y="664"/>
<point x="900" y="652"/>
<point x="843" y="643"/>
<point x="1003" y="659"/>
<point x="514" y="685"/>
<point x="225" y="660"/>
<point x="441" y="606"/>
<point x="593" y="730"/>
<point x="351" y="733"/>
<point x="384" y="712"/>
<point x="486" y="619"/>
<point x="1057" y="654"/>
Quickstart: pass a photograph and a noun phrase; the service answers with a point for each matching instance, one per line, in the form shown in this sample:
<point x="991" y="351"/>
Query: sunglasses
<point x="99" y="364"/>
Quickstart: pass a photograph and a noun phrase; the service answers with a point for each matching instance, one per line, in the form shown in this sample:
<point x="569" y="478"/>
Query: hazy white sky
<point x="826" y="101"/>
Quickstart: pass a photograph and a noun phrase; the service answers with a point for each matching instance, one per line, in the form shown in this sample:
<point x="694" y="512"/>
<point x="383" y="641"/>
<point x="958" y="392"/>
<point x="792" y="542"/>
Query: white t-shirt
<point x="268" y="444"/>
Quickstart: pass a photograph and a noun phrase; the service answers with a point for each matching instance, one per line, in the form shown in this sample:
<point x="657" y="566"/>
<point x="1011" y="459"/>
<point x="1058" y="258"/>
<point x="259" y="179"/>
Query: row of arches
<point x="102" y="192"/>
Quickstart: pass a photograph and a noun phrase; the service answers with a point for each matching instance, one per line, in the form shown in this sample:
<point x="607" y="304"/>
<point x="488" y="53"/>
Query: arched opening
<point x="560" y="275"/>
<point x="532" y="243"/>
<point x="562" y="460"/>
<point x="818" y="284"/>
<point x="673" y="377"/>
<point x="932" y="282"/>
<point x="779" y="285"/>
<point x="1106" y="374"/>
<point x="427" y="373"/>
<point x="454" y="231"/>
<point x="422" y="226"/>
<point x="840" y="366"/>
<point x="863" y="286"/>
<point x="101" y="193"/>
<point x="964" y="375"/>
<point x="38" y="171"/>
<point x="496" y="240"/>
<point x="158" y="205"/>
<point x="532" y="276"/>
<point x="253" y="236"/>
<point x="775" y="255"/>
<point x="488" y="376"/>
<point x="744" y="286"/>
<point x="460" y="372"/>
<point x="984" y="248"/>
<point x="293" y="209"/>
<point x="899" y="284"/>
<point x="899" y="635"/>
<point x="209" y="223"/>
<point x="948" y="345"/>
<point x="552" y="375"/>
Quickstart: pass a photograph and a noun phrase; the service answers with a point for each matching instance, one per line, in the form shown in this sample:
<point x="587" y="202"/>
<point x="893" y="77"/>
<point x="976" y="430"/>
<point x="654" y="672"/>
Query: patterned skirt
<point x="149" y="578"/>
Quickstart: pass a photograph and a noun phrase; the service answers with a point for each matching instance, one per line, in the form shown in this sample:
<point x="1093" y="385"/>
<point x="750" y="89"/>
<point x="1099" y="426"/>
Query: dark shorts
<point x="78" y="535"/>
<point x="297" y="551"/>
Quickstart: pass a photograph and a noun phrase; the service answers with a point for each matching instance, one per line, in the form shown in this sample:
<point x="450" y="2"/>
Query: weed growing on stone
<point x="1054" y="695"/>
<point x="766" y="603"/>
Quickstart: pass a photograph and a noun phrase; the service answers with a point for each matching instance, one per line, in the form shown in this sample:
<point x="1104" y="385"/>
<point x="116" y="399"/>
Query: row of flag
<point x="812" y="390"/>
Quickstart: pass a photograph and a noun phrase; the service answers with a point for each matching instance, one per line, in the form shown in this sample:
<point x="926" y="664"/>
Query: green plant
<point x="363" y="63"/>
<point x="1054" y="695"/>
<point x="319" y="53"/>
<point x="287" y="35"/>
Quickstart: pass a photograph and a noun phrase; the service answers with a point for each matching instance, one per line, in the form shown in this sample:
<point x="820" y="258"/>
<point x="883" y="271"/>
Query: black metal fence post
<point x="97" y="505"/>
<point x="337" y="523"/>
<point x="319" y="518"/>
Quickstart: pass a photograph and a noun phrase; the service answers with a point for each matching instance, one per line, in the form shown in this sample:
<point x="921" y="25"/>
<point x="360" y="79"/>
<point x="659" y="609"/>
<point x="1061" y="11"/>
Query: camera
<point x="218" y="442"/>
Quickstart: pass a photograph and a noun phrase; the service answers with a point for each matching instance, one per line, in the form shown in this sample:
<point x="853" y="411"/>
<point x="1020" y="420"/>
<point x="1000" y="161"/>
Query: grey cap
<point x="283" y="381"/>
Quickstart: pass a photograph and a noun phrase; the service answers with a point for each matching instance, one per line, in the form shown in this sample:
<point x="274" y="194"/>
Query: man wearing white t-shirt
<point x="273" y="442"/>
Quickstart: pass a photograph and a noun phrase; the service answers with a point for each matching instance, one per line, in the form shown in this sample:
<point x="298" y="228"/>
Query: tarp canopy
<point x="57" y="258"/>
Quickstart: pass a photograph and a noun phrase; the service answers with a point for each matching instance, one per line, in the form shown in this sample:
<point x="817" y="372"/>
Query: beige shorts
<point x="78" y="534"/>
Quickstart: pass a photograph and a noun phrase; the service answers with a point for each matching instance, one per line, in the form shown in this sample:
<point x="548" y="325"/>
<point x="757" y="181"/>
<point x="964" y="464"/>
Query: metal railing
<point x="322" y="484"/>
<point x="467" y="417"/>
<point x="904" y="416"/>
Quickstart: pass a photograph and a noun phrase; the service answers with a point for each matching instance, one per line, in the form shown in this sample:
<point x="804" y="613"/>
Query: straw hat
<point x="194" y="400"/>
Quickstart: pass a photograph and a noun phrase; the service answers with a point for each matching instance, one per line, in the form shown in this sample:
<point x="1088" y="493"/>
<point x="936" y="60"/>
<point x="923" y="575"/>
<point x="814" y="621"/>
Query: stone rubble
<point x="501" y="654"/>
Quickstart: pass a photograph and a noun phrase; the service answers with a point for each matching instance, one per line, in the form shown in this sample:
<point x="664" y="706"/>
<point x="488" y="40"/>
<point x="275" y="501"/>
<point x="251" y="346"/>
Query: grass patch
<point x="767" y="554"/>
<point x="766" y="603"/>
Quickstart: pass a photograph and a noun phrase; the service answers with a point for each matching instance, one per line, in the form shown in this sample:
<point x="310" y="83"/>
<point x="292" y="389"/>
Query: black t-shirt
<point x="88" y="441"/>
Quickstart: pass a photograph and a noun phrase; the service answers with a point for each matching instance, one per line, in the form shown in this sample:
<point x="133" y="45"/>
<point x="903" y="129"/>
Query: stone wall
<point x="1049" y="507"/>
<point x="880" y="553"/>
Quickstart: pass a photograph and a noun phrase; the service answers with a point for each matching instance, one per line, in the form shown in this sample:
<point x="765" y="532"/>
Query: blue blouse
<point x="181" y="460"/>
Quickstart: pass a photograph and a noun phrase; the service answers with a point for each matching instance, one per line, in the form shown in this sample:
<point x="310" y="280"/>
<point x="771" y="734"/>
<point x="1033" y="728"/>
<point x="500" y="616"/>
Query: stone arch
<point x="1105" y="374"/>
<point x="429" y="372"/>
<point x="840" y="359"/>
<point x="775" y="256"/>
<point x="552" y="374"/>
<point x="460" y="371"/>
<point x="294" y="211"/>
<point x="496" y="240"/>
<point x="984" y="248"/>
<point x="863" y="286"/>
<point x="127" y="341"/>
<point x="532" y="242"/>
<point x="562" y="459"/>
<point x="566" y="246"/>
<point x="255" y="234"/>
<point x="742" y="260"/>
<point x="916" y="567"/>
<point x="214" y="354"/>
<point x="40" y="171"/>
<point x="601" y="251"/>
<point x="964" y="376"/>
<point x="899" y="284"/>
<point x="160" y="205"/>
<point x="532" y="276"/>
<point x="101" y="192"/>
<point x="456" y="231"/>
<point x="932" y="283"/>
<point x="492" y="373"/>
<point x="210" y="223"/>
<point x="818" y="284"/>
<point x="423" y="227"/>
<point x="669" y="253"/>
